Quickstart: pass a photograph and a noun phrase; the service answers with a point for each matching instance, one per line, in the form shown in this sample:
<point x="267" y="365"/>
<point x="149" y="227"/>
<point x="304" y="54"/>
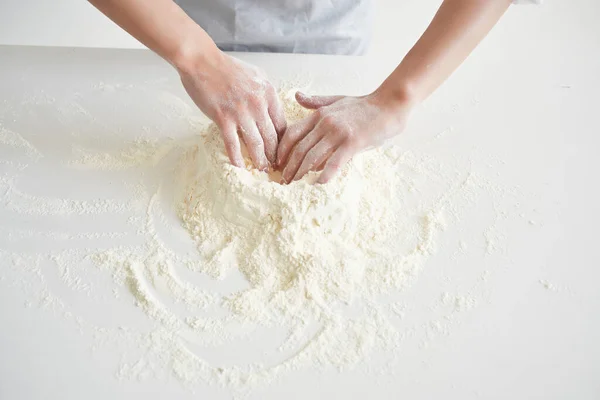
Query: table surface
<point x="533" y="333"/>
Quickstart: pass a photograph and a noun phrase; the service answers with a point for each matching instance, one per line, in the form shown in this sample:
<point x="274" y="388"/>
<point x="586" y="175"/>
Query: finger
<point x="314" y="102"/>
<point x="317" y="156"/>
<point x="232" y="144"/>
<point x="337" y="160"/>
<point x="277" y="114"/>
<point x="299" y="153"/>
<point x="269" y="136"/>
<point x="254" y="144"/>
<point x="293" y="134"/>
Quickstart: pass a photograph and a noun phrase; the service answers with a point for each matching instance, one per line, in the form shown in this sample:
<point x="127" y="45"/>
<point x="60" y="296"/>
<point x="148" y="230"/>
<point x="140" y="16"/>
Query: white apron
<point x="285" y="26"/>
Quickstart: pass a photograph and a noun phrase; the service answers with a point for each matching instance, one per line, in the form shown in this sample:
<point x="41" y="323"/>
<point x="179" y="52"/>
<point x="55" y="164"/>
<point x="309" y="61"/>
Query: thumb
<point x="314" y="102"/>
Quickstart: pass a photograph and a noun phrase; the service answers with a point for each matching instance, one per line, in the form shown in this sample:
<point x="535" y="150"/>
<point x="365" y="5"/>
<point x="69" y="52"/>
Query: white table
<point x="534" y="332"/>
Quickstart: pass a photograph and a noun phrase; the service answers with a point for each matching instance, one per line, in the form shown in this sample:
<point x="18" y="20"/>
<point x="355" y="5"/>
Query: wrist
<point x="190" y="55"/>
<point x="395" y="96"/>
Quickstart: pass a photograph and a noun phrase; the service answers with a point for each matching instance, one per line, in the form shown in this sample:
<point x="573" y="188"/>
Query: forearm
<point x="163" y="27"/>
<point x="456" y="29"/>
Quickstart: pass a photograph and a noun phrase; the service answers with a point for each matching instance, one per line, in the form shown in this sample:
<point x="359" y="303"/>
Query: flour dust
<point x="236" y="279"/>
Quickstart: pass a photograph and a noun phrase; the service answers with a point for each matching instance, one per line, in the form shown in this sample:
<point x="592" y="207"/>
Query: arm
<point x="236" y="96"/>
<point x="163" y="27"/>
<point x="455" y="31"/>
<point x="343" y="126"/>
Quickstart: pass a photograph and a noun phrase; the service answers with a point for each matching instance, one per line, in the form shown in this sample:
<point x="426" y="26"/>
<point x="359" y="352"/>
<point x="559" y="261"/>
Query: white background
<point x="529" y="92"/>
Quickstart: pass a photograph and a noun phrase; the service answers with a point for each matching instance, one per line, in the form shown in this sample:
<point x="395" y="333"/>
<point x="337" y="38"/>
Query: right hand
<point x="239" y="99"/>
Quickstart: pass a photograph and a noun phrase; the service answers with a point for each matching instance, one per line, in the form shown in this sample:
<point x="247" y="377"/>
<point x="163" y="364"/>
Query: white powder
<point x="548" y="285"/>
<point x="16" y="141"/>
<point x="323" y="263"/>
<point x="304" y="245"/>
<point x="21" y="234"/>
<point x="307" y="251"/>
<point x="459" y="302"/>
<point x="142" y="152"/>
<point x="23" y="203"/>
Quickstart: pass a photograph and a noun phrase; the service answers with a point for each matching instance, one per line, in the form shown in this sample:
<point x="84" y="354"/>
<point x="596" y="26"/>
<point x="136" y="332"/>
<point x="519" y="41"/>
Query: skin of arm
<point x="236" y="96"/>
<point x="342" y="126"/>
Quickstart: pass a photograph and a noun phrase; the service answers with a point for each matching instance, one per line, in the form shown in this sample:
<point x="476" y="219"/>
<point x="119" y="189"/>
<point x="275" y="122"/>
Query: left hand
<point x="341" y="127"/>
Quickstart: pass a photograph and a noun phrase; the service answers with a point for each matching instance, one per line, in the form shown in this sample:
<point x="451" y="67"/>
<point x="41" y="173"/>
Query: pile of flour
<point x="303" y="245"/>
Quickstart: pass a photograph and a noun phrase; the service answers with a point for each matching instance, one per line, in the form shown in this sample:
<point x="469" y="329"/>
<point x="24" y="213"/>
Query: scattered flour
<point x="142" y="152"/>
<point x="307" y="252"/>
<point x="459" y="302"/>
<point x="548" y="285"/>
<point x="324" y="263"/>
<point x="23" y="203"/>
<point x="16" y="141"/>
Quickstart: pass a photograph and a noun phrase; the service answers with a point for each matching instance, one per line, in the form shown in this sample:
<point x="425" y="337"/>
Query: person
<point x="239" y="99"/>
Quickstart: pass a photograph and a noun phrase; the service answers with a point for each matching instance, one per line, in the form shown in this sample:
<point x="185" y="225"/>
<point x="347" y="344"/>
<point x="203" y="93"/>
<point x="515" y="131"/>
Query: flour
<point x="16" y="141"/>
<point x="323" y="266"/>
<point x="21" y="234"/>
<point x="548" y="285"/>
<point x="303" y="246"/>
<point x="459" y="303"/>
<point x="313" y="256"/>
<point x="324" y="238"/>
<point x="331" y="242"/>
<point x="23" y="203"/>
<point x="142" y="152"/>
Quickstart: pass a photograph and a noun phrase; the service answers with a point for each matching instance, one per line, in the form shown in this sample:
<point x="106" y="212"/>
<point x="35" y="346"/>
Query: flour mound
<point x="302" y="246"/>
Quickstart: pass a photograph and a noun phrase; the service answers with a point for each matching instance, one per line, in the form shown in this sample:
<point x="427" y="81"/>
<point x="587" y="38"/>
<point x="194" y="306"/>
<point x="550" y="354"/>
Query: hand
<point x="239" y="99"/>
<point x="340" y="127"/>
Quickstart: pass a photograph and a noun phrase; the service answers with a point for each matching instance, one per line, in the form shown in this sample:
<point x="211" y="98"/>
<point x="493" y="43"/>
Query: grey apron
<point x="285" y="26"/>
